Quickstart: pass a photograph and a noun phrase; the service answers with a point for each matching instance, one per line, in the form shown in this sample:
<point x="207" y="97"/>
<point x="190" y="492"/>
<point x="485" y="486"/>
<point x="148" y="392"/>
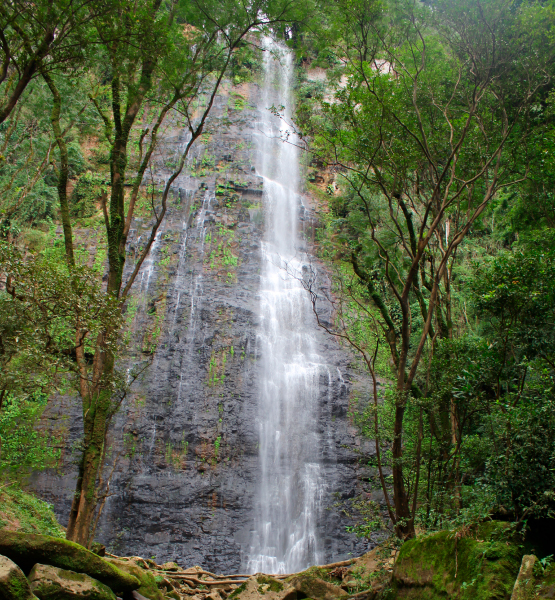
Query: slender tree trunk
<point x="405" y="522"/>
<point x="63" y="171"/>
<point x="96" y="400"/>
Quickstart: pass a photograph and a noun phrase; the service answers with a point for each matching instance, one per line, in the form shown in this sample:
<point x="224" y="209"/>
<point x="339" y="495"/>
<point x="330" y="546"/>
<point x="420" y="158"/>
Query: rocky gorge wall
<point x="184" y="447"/>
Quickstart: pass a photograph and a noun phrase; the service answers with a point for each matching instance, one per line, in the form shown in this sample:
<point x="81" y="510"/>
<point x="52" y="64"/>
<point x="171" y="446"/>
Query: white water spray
<point x="290" y="491"/>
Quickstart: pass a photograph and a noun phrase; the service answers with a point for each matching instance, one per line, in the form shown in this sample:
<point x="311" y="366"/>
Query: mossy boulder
<point x="13" y="583"/>
<point x="263" y="586"/>
<point x="26" y="550"/>
<point x="525" y="581"/>
<point x="309" y="585"/>
<point x="51" y="583"/>
<point x="478" y="564"/>
<point x="148" y="585"/>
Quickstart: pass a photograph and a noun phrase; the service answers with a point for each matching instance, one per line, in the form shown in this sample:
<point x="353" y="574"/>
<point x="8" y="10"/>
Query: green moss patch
<point x="481" y="564"/>
<point x="312" y="586"/>
<point x="51" y="583"/>
<point x="236" y="592"/>
<point x="268" y="584"/>
<point x="313" y="573"/>
<point x="13" y="583"/>
<point x="149" y="584"/>
<point x="27" y="550"/>
<point x="23" y="512"/>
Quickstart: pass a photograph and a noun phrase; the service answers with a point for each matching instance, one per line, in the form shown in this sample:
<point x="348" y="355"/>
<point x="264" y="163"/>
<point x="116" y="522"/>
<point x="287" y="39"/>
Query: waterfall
<point x="290" y="490"/>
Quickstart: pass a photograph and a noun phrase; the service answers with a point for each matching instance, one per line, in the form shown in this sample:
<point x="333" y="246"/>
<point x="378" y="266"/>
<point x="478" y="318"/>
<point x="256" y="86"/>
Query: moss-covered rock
<point x="51" y="583"/>
<point x="370" y="572"/>
<point x="149" y="587"/>
<point x="263" y="587"/>
<point x="236" y="593"/>
<point x="480" y="564"/>
<point x="311" y="586"/>
<point x="266" y="583"/>
<point x="525" y="581"/>
<point x="26" y="550"/>
<point x="13" y="583"/>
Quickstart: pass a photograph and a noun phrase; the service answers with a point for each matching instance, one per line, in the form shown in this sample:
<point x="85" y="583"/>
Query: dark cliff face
<point x="185" y="442"/>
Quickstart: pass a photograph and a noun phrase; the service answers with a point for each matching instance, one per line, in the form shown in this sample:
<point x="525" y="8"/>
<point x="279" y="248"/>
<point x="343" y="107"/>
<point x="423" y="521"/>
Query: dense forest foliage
<point x="433" y="123"/>
<point x="438" y="123"/>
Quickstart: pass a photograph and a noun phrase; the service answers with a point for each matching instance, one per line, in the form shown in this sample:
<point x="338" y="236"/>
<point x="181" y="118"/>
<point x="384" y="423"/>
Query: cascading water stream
<point x="290" y="490"/>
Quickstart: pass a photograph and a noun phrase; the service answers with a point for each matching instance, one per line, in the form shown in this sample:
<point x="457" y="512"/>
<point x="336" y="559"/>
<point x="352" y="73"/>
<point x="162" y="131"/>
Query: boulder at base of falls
<point x="149" y="587"/>
<point x="310" y="584"/>
<point x="479" y="563"/>
<point x="13" y="583"/>
<point x="26" y="550"/>
<point x="51" y="583"/>
<point x="263" y="587"/>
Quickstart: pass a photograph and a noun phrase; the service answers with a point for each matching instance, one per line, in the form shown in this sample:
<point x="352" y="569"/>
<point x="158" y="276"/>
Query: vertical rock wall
<point x="184" y="444"/>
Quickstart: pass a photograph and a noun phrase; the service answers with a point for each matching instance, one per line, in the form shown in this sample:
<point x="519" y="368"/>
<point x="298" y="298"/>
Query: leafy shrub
<point x="35" y="240"/>
<point x="76" y="161"/>
<point x="245" y="63"/>
<point x="85" y="195"/>
<point x="23" y="447"/>
<point x="522" y="474"/>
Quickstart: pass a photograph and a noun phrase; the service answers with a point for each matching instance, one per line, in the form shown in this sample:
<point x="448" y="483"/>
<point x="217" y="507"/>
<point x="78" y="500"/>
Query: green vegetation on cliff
<point x="20" y="511"/>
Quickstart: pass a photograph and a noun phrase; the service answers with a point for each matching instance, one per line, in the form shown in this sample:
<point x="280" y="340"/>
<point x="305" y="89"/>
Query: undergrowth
<point x="26" y="513"/>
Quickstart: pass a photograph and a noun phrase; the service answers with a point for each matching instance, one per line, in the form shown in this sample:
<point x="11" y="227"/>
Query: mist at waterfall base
<point x="288" y="502"/>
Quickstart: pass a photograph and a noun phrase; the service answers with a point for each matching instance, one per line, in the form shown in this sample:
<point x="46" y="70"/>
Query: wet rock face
<point x="185" y="444"/>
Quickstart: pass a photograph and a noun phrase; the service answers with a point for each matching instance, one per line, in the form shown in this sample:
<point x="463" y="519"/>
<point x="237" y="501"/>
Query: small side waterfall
<point x="290" y="488"/>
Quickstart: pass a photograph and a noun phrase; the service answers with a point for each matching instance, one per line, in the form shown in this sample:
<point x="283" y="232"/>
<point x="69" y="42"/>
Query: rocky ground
<point x="483" y="562"/>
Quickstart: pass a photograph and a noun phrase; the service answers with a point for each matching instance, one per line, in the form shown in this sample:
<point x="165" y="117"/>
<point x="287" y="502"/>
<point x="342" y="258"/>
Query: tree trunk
<point x="85" y="500"/>
<point x="405" y="521"/>
<point x="63" y="171"/>
<point x="79" y="526"/>
<point x="96" y="398"/>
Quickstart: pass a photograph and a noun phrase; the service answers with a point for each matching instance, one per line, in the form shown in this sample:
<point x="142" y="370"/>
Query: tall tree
<point x="430" y="122"/>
